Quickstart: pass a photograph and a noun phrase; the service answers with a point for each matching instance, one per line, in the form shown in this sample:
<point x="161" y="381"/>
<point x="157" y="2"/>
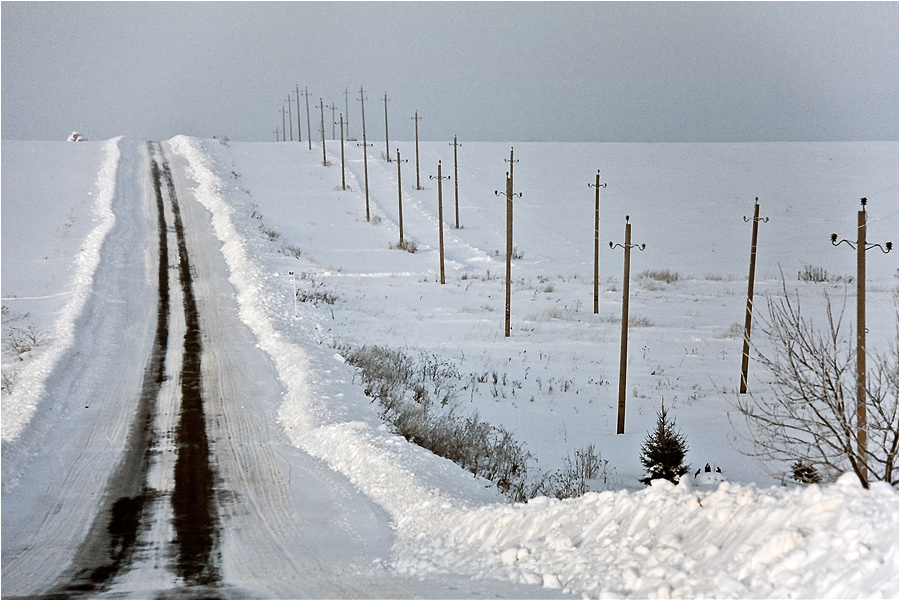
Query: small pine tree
<point x="663" y="451"/>
<point x="804" y="473"/>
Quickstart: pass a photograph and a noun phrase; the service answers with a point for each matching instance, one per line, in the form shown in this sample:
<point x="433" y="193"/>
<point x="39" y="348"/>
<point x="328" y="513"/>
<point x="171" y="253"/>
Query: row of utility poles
<point x="286" y="133"/>
<point x="860" y="245"/>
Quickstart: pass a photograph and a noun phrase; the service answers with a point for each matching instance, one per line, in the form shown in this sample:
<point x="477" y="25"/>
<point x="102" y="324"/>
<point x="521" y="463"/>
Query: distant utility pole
<point x="362" y="100"/>
<point x="439" y="179"/>
<point x="597" y="185"/>
<point x="282" y="125"/>
<point x="343" y="177"/>
<point x="277" y="139"/>
<point x="456" y="180"/>
<point x="400" y="195"/>
<point x="322" y="111"/>
<point x="299" y="137"/>
<point x="418" y="187"/>
<point x="290" y="119"/>
<point x="308" y="125"/>
<point x="347" y="112"/>
<point x="387" y="151"/>
<point x="333" y="122"/>
<point x="861" y="247"/>
<point x="509" y="241"/>
<point x="623" y="352"/>
<point x="748" y="315"/>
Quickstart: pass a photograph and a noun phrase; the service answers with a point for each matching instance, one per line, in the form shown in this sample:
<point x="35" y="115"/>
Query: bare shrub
<point x="811" y="417"/>
<point x="575" y="478"/>
<point x="662" y="275"/>
<point x="406" y="244"/>
<point x="20" y="341"/>
<point x="408" y="392"/>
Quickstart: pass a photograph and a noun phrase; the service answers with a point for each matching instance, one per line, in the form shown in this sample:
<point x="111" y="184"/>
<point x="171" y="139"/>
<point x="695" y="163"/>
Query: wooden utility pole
<point x="400" y="196"/>
<point x="290" y="119"/>
<point x="347" y="112"/>
<point x="299" y="137"/>
<point x="283" y="137"/>
<point x="362" y="101"/>
<point x="509" y="246"/>
<point x="387" y="151"/>
<point x="416" y="118"/>
<point x="308" y="123"/>
<point x="322" y="112"/>
<point x="333" y="107"/>
<point x="861" y="247"/>
<point x="597" y="185"/>
<point x="456" y="180"/>
<point x="623" y="351"/>
<point x="748" y="315"/>
<point x="343" y="177"/>
<point x="440" y="216"/>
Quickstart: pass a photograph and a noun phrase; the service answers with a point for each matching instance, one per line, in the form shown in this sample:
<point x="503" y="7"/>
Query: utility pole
<point x="456" y="180"/>
<point x="400" y="196"/>
<point x="597" y="185"/>
<point x="861" y="247"/>
<point x="322" y="111"/>
<point x="343" y="177"/>
<point x="509" y="246"/>
<point x="283" y="137"/>
<point x="299" y="137"/>
<point x="416" y="118"/>
<point x="440" y="216"/>
<point x="387" y="151"/>
<point x="362" y="100"/>
<point x="333" y="122"/>
<point x="347" y="111"/>
<point x="290" y="119"/>
<point x="308" y="125"/>
<point x="623" y="352"/>
<point x="748" y="316"/>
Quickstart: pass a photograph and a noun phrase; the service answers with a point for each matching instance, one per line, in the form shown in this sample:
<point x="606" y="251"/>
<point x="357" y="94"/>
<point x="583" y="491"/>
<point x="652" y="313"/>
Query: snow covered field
<point x="553" y="383"/>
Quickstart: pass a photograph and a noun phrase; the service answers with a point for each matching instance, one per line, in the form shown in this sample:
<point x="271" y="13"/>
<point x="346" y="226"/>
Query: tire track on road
<point x="111" y="545"/>
<point x="193" y="498"/>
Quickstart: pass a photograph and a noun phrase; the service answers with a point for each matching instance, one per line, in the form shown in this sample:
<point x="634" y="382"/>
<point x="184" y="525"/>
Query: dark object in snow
<point x="707" y="468"/>
<point x="76" y="137"/>
<point x="698" y="472"/>
<point x="663" y="451"/>
<point x="804" y="473"/>
<point x="718" y="470"/>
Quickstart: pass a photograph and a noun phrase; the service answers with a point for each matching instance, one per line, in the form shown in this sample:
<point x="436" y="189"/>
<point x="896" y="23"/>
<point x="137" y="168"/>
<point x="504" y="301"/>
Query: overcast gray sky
<point x="585" y="71"/>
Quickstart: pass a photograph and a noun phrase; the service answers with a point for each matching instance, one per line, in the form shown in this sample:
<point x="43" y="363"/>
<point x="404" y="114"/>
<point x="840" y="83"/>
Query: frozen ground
<point x="276" y="209"/>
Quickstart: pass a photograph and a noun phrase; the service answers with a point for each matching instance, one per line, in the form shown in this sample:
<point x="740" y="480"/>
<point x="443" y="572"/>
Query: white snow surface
<point x="276" y="209"/>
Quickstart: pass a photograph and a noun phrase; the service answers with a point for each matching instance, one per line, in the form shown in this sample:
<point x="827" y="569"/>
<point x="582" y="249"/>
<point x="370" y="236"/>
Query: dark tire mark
<point x="110" y="546"/>
<point x="193" y="496"/>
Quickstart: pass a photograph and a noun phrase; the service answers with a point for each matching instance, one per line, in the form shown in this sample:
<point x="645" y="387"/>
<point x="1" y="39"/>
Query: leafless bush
<point x="661" y="275"/>
<point x="811" y="417"/>
<point x="20" y="341"/>
<point x="575" y="478"/>
<point x="416" y="399"/>
<point x="406" y="244"/>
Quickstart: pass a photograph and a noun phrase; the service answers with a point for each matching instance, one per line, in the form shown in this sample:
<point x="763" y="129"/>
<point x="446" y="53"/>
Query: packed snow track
<point x="154" y="466"/>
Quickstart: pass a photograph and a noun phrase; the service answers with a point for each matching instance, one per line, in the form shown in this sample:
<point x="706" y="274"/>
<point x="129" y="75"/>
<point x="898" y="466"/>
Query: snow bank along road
<point x="154" y="465"/>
